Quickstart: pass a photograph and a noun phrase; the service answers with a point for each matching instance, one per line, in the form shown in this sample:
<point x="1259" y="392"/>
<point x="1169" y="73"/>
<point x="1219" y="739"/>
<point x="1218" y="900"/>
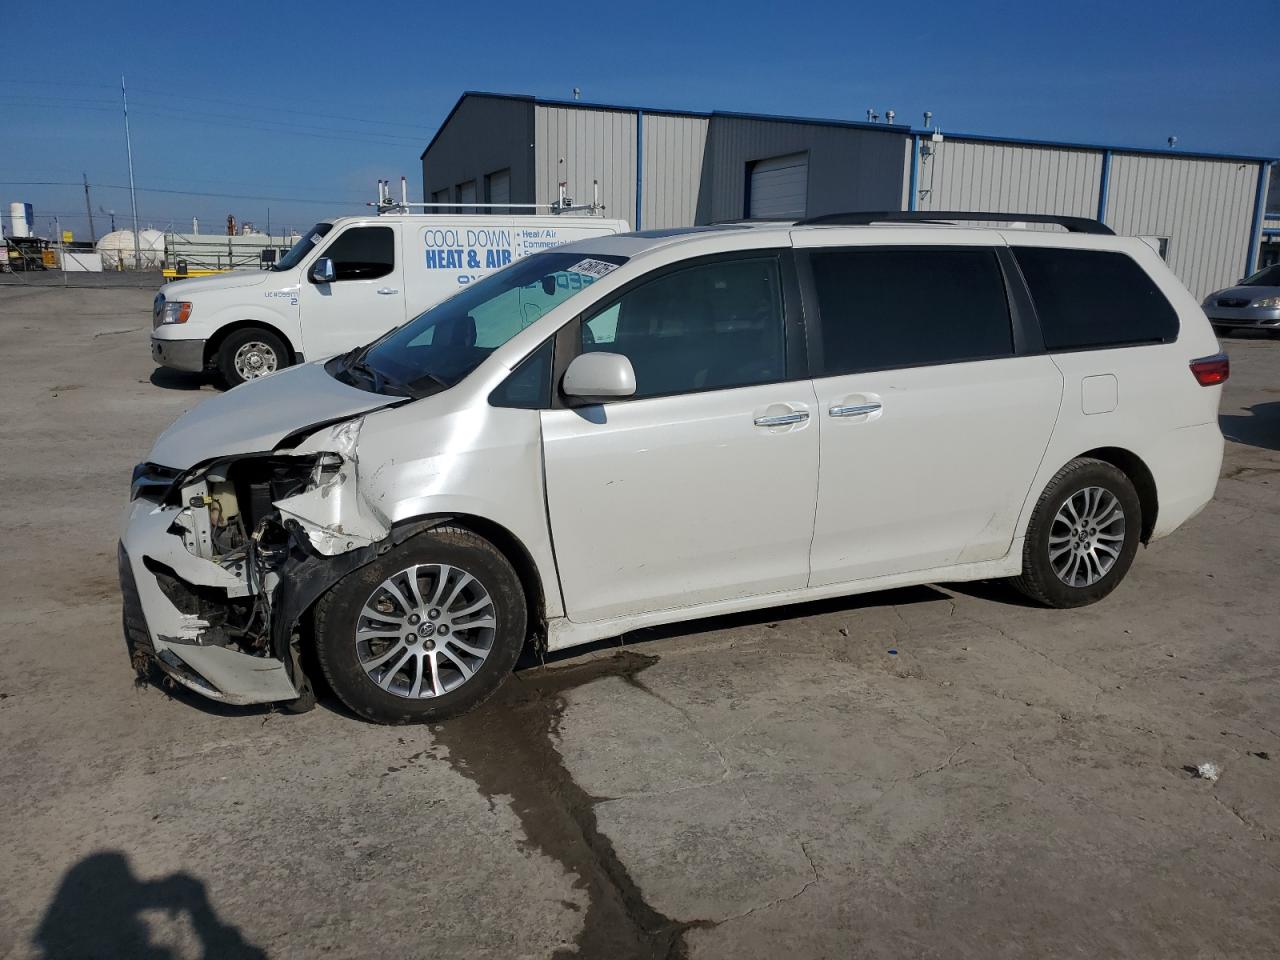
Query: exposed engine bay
<point x="276" y="529"/>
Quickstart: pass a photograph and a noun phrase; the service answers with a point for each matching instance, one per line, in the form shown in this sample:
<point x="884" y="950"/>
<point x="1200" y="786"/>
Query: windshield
<point x="306" y="243"/>
<point x="1266" y="277"/>
<point x="443" y="345"/>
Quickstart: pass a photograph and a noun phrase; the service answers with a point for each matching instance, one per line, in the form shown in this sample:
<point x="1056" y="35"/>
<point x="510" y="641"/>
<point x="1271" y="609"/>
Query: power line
<point x="180" y="193"/>
<point x="260" y="125"/>
<point x="167" y="95"/>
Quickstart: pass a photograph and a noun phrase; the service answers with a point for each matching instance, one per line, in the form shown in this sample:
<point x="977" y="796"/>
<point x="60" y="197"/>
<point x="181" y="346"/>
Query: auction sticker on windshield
<point x="592" y="268"/>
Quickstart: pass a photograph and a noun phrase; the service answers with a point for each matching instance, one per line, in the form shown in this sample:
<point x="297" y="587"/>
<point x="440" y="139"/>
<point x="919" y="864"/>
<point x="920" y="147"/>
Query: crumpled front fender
<point x="335" y="515"/>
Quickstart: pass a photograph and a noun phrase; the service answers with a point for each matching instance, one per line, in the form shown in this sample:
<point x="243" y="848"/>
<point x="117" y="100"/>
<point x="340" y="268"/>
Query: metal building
<point x="668" y="168"/>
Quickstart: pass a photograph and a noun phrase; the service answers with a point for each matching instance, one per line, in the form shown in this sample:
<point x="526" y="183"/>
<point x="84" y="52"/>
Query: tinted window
<point x="1268" y="277"/>
<point x="705" y="327"/>
<point x="1094" y="298"/>
<point x="529" y="385"/>
<point x="363" y="253"/>
<point x="885" y="308"/>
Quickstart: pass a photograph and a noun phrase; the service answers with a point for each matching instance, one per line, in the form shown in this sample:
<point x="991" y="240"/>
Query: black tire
<point x="1039" y="580"/>
<point x="339" y="612"/>
<point x="226" y="358"/>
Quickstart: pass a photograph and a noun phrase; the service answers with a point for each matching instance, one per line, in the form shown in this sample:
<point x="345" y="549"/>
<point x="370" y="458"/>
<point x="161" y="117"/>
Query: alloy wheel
<point x="425" y="630"/>
<point x="1086" y="537"/>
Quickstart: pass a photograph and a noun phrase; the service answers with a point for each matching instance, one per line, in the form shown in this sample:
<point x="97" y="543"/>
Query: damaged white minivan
<point x="662" y="426"/>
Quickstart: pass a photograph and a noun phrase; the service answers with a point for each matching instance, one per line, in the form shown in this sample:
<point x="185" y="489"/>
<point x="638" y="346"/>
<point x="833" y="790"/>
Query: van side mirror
<point x="597" y="377"/>
<point x="322" y="271"/>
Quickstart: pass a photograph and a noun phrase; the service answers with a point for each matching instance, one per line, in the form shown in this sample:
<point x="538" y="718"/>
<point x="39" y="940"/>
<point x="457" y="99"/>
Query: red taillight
<point x="1210" y="371"/>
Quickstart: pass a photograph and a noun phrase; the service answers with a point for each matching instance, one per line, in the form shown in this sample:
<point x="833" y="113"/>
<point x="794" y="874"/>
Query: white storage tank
<point x="21" y="219"/>
<point x="117" y="249"/>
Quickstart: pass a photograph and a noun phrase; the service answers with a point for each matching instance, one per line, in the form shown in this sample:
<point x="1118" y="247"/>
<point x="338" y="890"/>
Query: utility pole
<point x="88" y="208"/>
<point x="133" y="197"/>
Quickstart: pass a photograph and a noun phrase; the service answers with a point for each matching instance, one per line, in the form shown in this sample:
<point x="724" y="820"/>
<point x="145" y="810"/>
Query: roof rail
<point x="1072" y="224"/>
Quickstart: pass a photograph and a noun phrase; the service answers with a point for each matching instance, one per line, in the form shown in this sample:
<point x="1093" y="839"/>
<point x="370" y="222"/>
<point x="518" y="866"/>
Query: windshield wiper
<point x="380" y="379"/>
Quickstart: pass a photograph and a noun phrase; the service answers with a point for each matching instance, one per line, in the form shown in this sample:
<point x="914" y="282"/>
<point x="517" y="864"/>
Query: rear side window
<point x="885" y="308"/>
<point x="363" y="253"/>
<point x="1095" y="298"/>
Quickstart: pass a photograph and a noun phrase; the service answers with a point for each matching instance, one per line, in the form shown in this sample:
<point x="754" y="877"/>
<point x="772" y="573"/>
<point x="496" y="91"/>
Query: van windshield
<point x="438" y="348"/>
<point x="306" y="243"/>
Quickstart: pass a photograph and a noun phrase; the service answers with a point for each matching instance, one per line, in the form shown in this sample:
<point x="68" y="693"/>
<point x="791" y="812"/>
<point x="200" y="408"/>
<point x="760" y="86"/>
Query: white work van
<point x="344" y="283"/>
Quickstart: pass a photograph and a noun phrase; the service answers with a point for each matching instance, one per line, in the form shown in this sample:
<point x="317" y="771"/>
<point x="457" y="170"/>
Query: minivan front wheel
<point x="427" y="631"/>
<point x="250" y="353"/>
<point x="1083" y="535"/>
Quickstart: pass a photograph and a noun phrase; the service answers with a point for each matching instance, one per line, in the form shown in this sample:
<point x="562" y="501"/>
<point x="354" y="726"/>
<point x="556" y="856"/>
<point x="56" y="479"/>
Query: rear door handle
<point x="855" y="409"/>
<point x="783" y="419"/>
<point x="386" y="291"/>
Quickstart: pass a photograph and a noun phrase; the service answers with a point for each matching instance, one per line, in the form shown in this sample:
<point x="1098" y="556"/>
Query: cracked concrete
<point x="1010" y="784"/>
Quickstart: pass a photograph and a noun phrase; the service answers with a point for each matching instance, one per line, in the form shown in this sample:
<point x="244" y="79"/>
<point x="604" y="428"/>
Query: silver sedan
<point x="1254" y="302"/>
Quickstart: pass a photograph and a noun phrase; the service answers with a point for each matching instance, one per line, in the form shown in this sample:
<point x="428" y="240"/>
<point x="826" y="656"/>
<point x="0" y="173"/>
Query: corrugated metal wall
<point x="1204" y="207"/>
<point x="849" y="168"/>
<point x="594" y="144"/>
<point x="485" y="135"/>
<point x="972" y="175"/>
<point x="674" y="188"/>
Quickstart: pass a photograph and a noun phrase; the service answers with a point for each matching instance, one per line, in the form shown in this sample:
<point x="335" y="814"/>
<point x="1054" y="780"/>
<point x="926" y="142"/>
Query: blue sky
<point x="313" y="103"/>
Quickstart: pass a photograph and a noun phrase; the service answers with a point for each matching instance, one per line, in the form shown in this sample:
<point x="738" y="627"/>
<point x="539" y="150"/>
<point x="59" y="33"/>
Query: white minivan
<point x="344" y="282"/>
<point x="696" y="422"/>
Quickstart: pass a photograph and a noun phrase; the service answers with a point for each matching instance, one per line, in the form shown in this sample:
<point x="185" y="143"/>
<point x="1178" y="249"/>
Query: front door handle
<point x="387" y="291"/>
<point x="783" y="419"/>
<point x="855" y="409"/>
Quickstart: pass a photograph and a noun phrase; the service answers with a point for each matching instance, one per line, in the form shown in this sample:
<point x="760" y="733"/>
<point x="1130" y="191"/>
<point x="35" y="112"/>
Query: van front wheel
<point x="251" y="353"/>
<point x="425" y="632"/>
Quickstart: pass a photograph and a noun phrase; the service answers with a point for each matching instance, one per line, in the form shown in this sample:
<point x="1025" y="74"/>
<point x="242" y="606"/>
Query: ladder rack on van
<point x="387" y="204"/>
<point x="1070" y="224"/>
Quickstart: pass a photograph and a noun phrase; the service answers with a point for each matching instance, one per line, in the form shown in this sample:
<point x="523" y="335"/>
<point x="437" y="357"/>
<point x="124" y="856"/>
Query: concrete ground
<point x="1012" y="782"/>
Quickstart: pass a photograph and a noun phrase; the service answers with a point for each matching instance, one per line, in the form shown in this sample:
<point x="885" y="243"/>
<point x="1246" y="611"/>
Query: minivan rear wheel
<point x="1083" y="535"/>
<point x="427" y="631"/>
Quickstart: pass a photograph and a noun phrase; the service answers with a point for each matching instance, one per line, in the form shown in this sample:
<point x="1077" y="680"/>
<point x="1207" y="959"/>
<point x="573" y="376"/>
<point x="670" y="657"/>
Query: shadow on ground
<point x="1261" y="428"/>
<point x="181" y="380"/>
<point x="99" y="910"/>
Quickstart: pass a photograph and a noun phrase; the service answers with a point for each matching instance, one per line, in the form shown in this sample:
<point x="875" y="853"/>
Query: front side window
<point x="438" y="348"/>
<point x="886" y="308"/>
<point x="363" y="253"/>
<point x="705" y="327"/>
<point x="1094" y="298"/>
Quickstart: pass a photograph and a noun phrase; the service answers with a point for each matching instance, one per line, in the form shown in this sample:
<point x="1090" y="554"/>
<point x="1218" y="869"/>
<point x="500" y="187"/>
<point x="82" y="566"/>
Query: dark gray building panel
<point x="849" y="168"/>
<point x="482" y="136"/>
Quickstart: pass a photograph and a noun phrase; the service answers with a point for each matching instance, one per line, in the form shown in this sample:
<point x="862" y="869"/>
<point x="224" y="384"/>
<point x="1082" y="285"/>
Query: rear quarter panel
<point x="1160" y="413"/>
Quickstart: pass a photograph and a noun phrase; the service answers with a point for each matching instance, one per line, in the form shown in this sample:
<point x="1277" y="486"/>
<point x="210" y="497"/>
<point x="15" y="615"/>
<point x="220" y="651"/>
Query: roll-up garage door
<point x="500" y="189"/>
<point x="779" y="186"/>
<point x="467" y="196"/>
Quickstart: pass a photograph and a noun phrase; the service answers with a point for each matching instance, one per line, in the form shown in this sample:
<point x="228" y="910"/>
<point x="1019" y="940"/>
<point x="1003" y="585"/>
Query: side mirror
<point x="323" y="272"/>
<point x="597" y="377"/>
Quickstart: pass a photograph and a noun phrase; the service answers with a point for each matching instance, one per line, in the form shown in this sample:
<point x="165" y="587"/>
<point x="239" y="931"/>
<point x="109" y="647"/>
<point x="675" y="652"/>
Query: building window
<point x="440" y="196"/>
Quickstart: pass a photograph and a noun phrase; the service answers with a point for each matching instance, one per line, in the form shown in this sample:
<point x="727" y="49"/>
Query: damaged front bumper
<point x="179" y="643"/>
<point x="219" y="565"/>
